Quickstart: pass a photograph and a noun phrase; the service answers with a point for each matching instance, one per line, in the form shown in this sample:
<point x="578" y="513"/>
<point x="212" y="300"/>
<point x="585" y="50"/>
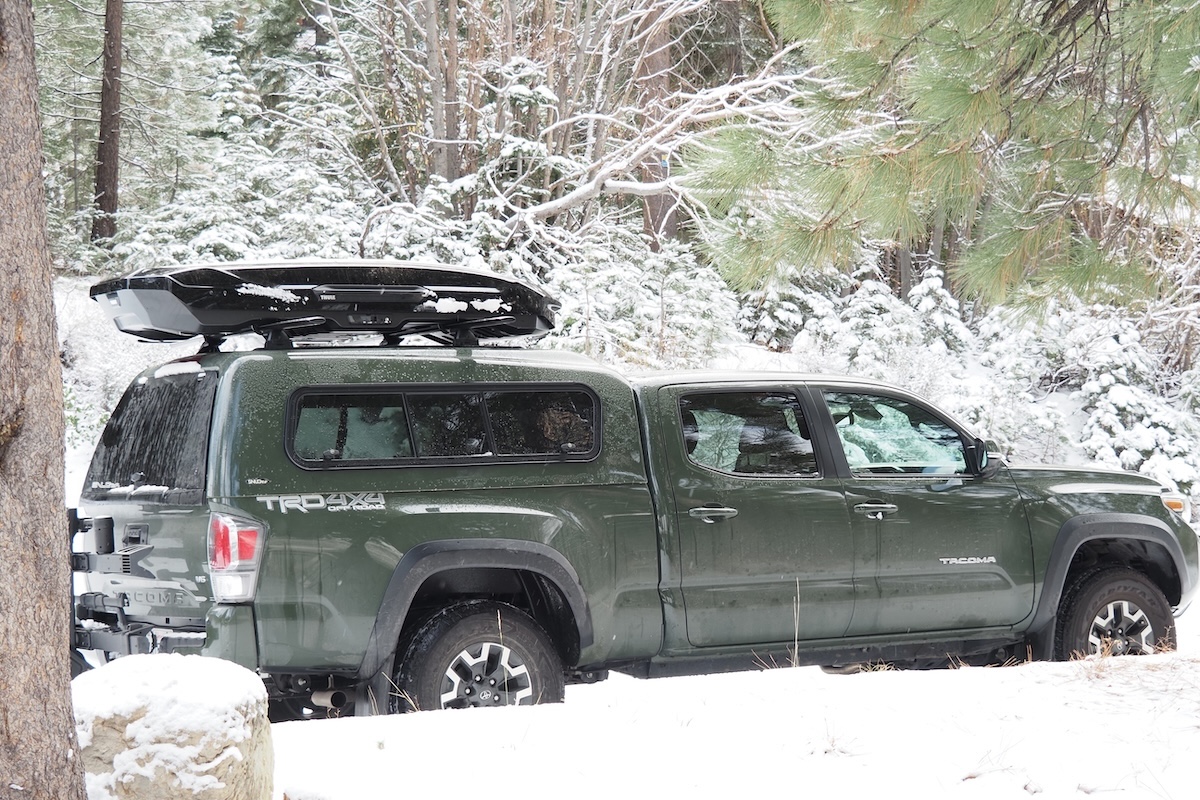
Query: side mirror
<point x="985" y="466"/>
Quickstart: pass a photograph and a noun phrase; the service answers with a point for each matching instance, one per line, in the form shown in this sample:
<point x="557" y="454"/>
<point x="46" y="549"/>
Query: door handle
<point x="875" y="511"/>
<point x="711" y="514"/>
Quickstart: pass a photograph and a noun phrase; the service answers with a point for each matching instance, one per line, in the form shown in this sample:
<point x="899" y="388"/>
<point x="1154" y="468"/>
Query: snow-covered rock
<point x="153" y="727"/>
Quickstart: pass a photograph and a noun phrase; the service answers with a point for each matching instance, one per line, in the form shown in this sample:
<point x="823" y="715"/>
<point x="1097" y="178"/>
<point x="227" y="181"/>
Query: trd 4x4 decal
<point x="342" y="501"/>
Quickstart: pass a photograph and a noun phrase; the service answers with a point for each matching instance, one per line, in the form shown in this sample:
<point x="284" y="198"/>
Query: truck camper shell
<point x="284" y="300"/>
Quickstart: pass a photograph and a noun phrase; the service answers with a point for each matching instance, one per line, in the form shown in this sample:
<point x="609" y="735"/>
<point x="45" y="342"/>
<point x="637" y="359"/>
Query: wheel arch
<point x="1088" y="541"/>
<point x="548" y="568"/>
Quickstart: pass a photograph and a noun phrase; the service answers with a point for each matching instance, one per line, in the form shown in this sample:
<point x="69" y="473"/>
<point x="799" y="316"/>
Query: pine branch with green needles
<point x="1056" y="141"/>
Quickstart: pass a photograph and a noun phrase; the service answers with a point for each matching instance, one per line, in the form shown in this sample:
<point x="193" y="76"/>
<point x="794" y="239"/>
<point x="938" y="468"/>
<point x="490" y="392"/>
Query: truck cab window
<point x="884" y="435"/>
<point x="748" y="433"/>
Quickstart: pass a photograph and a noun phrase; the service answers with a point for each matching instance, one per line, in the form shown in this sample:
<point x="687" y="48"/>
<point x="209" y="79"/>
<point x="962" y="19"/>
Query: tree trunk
<point x="937" y="238"/>
<point x="319" y="14"/>
<point x="108" y="151"/>
<point x="733" y="47"/>
<point x="905" y="270"/>
<point x="439" y="162"/>
<point x="451" y="109"/>
<point x="37" y="730"/>
<point x="659" y="217"/>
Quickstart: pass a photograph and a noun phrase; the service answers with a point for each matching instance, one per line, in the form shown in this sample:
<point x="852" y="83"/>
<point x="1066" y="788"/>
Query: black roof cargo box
<point x="279" y="300"/>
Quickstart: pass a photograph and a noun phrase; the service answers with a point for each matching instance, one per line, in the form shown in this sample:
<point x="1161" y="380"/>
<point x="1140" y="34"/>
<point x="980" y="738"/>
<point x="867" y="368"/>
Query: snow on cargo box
<point x="279" y="300"/>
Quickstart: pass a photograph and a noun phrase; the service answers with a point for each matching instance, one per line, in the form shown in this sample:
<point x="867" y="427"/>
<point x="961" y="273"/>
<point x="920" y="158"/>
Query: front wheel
<point x="476" y="654"/>
<point x="1114" y="611"/>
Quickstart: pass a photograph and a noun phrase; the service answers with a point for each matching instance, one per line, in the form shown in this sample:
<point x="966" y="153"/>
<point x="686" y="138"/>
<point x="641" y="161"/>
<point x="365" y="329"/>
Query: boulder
<point x="174" y="726"/>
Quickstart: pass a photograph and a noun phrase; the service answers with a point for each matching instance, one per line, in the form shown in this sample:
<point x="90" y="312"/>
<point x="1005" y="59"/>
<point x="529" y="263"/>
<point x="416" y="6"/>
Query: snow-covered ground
<point x="1115" y="727"/>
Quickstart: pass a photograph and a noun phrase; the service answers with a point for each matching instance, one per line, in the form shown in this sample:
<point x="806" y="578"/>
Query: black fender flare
<point x="1073" y="534"/>
<point x="430" y="558"/>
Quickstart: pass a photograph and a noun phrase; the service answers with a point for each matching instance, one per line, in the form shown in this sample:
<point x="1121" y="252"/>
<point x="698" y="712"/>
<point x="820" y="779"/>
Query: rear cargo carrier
<point x="287" y="299"/>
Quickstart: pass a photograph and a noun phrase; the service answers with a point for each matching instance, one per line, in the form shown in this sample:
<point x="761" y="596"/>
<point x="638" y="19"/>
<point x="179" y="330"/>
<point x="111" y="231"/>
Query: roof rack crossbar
<point x="278" y="335"/>
<point x="457" y="334"/>
<point x="464" y="332"/>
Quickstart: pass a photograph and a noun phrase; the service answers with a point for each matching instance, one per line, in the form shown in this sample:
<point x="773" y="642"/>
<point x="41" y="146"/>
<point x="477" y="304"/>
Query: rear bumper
<point x="230" y="635"/>
<point x="130" y="638"/>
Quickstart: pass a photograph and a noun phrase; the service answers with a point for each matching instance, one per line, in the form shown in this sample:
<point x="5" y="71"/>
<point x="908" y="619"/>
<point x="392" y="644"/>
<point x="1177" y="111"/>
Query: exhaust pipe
<point x="330" y="698"/>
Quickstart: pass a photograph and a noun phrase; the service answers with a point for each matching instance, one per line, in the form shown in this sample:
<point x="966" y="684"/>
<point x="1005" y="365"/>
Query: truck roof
<point x="655" y="380"/>
<point x="563" y="361"/>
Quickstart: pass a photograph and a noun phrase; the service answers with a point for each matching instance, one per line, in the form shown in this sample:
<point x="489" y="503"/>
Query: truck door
<point x="949" y="550"/>
<point x="765" y="552"/>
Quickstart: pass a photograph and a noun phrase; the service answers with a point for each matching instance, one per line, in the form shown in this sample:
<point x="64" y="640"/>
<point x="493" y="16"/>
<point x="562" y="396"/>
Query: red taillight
<point x="235" y="547"/>
<point x="247" y="539"/>
<point x="234" y="550"/>
<point x="232" y="543"/>
<point x="219" y="542"/>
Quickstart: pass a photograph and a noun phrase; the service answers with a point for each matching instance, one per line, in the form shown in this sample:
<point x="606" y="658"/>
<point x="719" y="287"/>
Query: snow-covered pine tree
<point x="1036" y="143"/>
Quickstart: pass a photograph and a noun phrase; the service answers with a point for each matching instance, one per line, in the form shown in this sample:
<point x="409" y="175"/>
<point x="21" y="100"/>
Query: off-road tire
<point x="474" y="654"/>
<point x="1114" y="611"/>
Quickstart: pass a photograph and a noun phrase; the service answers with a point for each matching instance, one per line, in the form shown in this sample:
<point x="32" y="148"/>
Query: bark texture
<point x="38" y="752"/>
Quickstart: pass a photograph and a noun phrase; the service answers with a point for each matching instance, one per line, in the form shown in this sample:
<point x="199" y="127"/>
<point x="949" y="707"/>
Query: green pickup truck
<point x="385" y="527"/>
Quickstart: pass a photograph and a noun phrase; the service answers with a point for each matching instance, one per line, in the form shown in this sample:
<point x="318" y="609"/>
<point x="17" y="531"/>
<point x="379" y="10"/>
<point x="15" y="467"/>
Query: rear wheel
<point x="476" y="654"/>
<point x="1114" y="611"/>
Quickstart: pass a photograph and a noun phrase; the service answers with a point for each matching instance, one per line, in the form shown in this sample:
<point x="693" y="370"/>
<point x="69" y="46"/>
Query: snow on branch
<point x="771" y="101"/>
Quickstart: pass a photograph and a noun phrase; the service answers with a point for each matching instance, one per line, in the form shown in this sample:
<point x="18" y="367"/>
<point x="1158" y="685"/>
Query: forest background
<point x="991" y="203"/>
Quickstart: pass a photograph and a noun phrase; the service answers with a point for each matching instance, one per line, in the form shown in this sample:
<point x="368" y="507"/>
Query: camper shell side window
<point x="337" y="427"/>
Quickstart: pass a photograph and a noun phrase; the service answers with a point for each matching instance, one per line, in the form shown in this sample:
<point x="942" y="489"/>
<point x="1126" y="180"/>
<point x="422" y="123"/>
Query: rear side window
<point x="748" y="433"/>
<point x="542" y="423"/>
<point x="380" y="427"/>
<point x="155" y="446"/>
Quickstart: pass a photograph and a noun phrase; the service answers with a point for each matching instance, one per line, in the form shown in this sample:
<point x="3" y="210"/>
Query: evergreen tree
<point x="167" y="112"/>
<point x="1045" y="144"/>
